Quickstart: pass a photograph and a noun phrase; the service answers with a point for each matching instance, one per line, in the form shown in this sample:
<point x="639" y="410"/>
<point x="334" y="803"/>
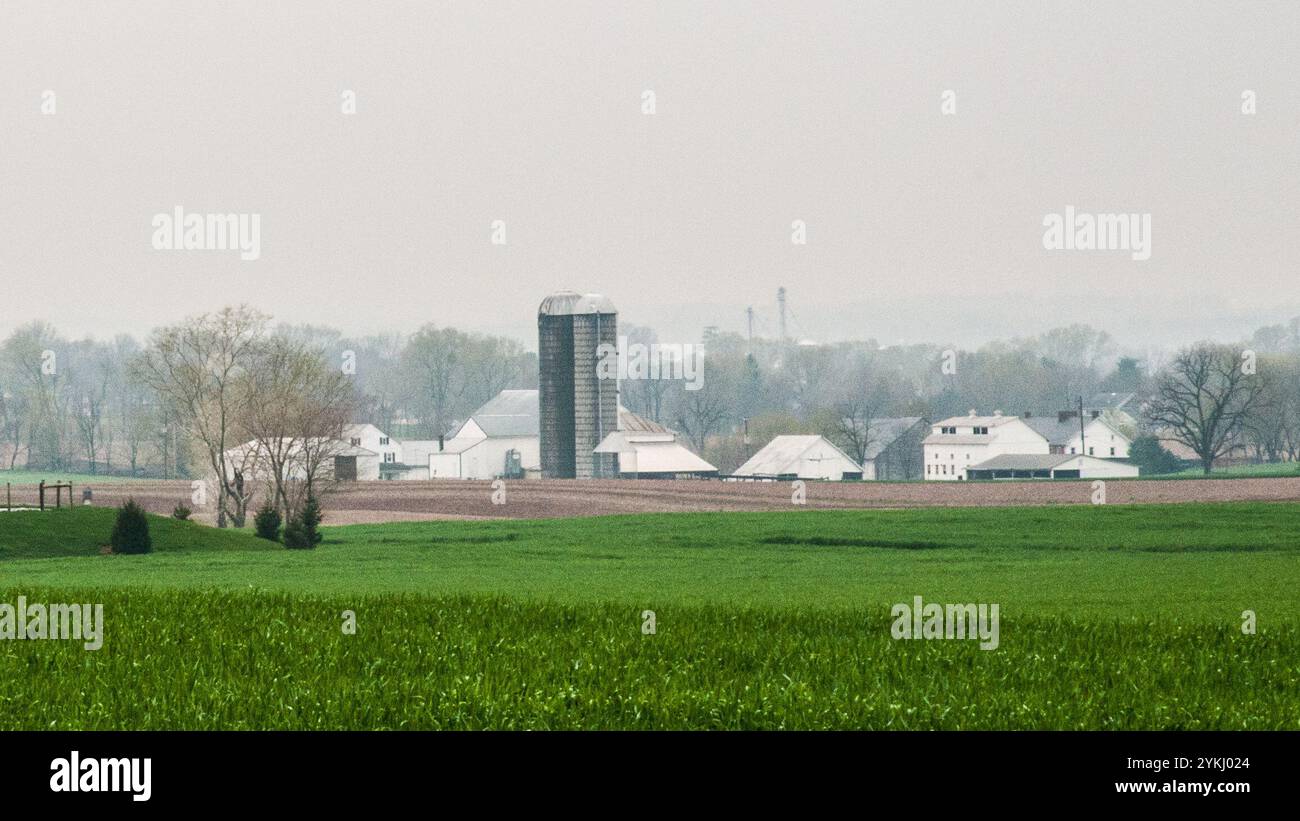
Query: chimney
<point x="1028" y="414"/>
<point x="972" y="413"/>
<point x="440" y="443"/>
<point x="997" y="413"/>
<point x="1095" y="414"/>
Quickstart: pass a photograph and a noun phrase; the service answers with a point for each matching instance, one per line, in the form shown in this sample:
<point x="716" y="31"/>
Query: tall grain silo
<point x="577" y="409"/>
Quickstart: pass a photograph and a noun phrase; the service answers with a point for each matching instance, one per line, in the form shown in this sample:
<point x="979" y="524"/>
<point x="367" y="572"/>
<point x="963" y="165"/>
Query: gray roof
<point x="1108" y="401"/>
<point x="1023" y="461"/>
<point x="629" y="421"/>
<point x="885" y="430"/>
<point x="509" y="413"/>
<point x="566" y="303"/>
<point x="1054" y="431"/>
<point x="515" y="413"/>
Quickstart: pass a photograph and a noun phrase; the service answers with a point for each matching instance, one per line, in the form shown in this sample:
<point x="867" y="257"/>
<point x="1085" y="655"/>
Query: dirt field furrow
<point x="373" y="502"/>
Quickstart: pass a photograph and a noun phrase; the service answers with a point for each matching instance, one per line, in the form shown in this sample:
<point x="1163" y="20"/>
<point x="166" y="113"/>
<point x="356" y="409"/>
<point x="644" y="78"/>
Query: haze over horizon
<point x="921" y="226"/>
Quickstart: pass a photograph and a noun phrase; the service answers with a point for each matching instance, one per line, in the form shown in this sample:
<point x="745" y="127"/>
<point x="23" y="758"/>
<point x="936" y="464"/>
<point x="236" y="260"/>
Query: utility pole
<point x="780" y="304"/>
<point x="1083" y="446"/>
<point x="749" y="314"/>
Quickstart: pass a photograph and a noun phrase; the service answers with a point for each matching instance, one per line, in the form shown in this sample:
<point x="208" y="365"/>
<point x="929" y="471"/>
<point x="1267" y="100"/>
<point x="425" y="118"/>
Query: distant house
<point x="799" y="457"/>
<point x="367" y="437"/>
<point x="648" y="450"/>
<point x="1098" y="435"/>
<point x="960" y="444"/>
<point x="1120" y="408"/>
<point x="894" y="451"/>
<point x="498" y="439"/>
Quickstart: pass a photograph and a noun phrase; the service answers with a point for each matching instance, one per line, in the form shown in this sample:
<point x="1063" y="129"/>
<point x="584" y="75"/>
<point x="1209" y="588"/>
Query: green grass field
<point x="1264" y="470"/>
<point x="1111" y="617"/>
<point x="80" y="480"/>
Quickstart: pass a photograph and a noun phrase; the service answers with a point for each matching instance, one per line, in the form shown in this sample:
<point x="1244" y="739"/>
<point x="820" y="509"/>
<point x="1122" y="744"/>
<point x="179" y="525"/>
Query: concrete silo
<point x="576" y="408"/>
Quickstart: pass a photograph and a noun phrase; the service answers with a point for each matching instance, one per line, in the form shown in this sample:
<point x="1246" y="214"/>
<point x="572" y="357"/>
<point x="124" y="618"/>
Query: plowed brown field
<point x="374" y="502"/>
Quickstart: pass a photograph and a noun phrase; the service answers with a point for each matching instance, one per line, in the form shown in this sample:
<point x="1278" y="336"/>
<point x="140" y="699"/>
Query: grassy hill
<point x="80" y="480"/>
<point x="1118" y="561"/>
<point x="81" y="531"/>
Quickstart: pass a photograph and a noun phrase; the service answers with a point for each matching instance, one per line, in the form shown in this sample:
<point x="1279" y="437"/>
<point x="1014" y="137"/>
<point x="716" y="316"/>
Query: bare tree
<point x="1203" y="399"/>
<point x="850" y="426"/>
<point x="703" y="412"/>
<point x="297" y="410"/>
<point x="198" y="369"/>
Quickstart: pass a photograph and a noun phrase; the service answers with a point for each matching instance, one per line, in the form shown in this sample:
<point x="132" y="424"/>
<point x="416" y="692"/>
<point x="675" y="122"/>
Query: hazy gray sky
<point x="920" y="226"/>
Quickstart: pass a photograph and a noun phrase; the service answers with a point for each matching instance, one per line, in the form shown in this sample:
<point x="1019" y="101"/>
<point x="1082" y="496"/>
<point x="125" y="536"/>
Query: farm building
<point x="509" y="424"/>
<point x="799" y="457"/>
<point x="1063" y="433"/>
<point x="893" y="451"/>
<point x="648" y="450"/>
<point x="1050" y="466"/>
<point x="500" y="438"/>
<point x="373" y="441"/>
<point x="961" y="442"/>
<point x="341" y="460"/>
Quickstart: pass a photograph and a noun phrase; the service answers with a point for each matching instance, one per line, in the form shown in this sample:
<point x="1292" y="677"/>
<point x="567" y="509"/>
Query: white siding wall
<point x="487" y="459"/>
<point x="444" y="466"/>
<point x="1098" y="468"/>
<point x="1100" y="437"/>
<point x="370" y="437"/>
<point x="947" y="462"/>
<point x="823" y="461"/>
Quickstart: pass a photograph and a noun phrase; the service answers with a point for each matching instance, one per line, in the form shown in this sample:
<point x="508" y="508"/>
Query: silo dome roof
<point x="566" y="303"/>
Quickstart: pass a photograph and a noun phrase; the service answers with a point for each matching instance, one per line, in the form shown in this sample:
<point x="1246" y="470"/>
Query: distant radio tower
<point x="780" y="304"/>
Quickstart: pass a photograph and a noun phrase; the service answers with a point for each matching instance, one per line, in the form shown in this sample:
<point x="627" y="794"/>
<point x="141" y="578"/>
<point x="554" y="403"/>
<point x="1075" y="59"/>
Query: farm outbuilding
<point x="894" y="452"/>
<point x="799" y="457"/>
<point x="1050" y="466"/>
<point x="648" y="450"/>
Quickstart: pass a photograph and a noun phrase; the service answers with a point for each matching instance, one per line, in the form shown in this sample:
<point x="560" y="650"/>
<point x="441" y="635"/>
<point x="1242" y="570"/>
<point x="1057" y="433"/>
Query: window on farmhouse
<point x="356" y="443"/>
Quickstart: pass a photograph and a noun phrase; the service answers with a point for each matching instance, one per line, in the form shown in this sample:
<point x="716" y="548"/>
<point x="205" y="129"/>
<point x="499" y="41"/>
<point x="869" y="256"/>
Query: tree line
<point x="171" y="405"/>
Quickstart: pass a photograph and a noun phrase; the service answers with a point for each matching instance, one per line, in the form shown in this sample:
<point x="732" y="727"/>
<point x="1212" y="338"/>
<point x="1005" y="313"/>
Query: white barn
<point x="506" y="425"/>
<point x="799" y="457"/>
<point x="343" y="461"/>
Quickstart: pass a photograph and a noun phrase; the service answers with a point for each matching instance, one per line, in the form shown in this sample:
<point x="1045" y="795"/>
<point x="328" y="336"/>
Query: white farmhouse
<point x="367" y="437"/>
<point x="1097" y="436"/>
<point x="799" y="457"/>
